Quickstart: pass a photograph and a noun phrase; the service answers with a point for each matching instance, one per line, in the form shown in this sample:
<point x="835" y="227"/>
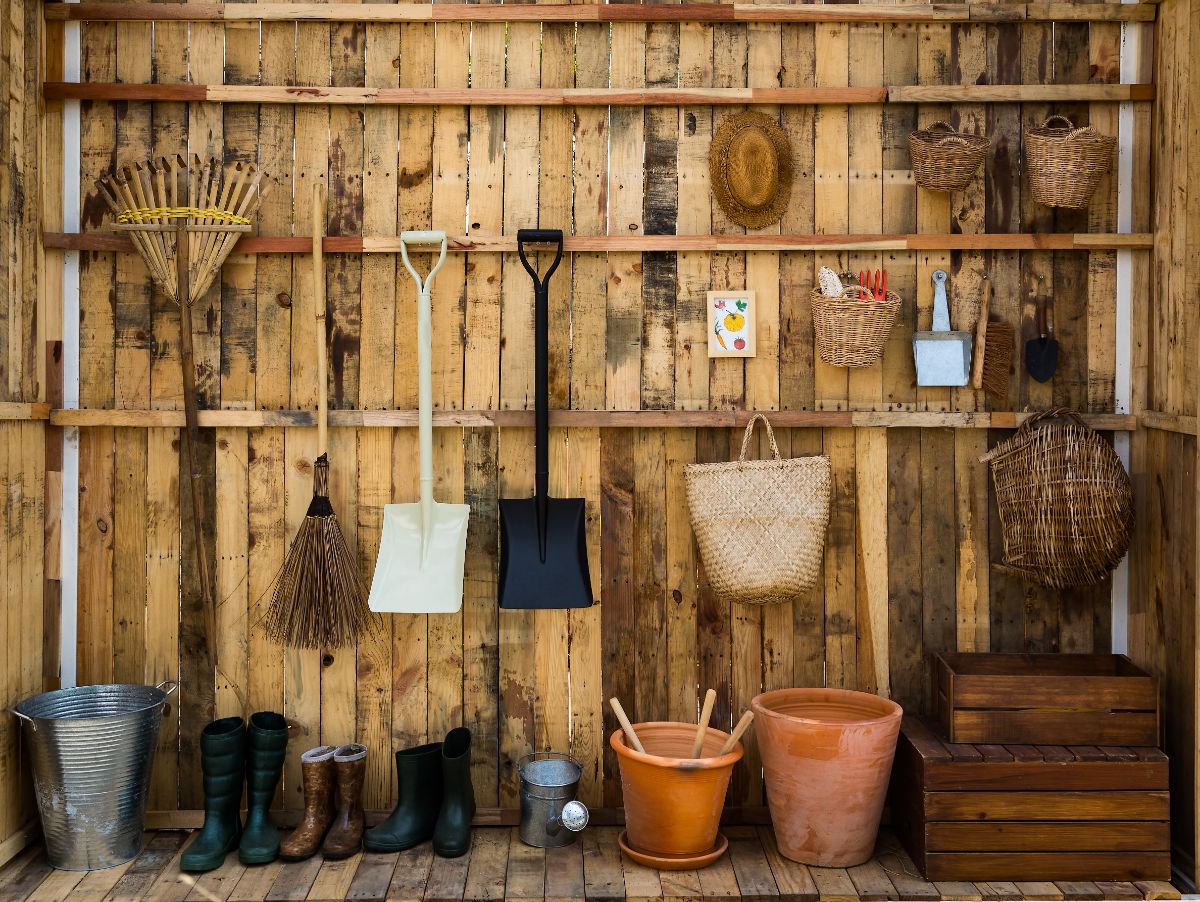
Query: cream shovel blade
<point x="420" y="571"/>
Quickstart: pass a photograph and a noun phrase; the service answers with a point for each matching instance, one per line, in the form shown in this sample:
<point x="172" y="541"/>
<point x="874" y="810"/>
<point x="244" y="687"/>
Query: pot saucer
<point x="674" y="862"/>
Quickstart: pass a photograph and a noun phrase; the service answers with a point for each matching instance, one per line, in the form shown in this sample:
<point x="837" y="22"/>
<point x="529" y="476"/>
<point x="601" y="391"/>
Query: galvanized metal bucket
<point x="550" y="814"/>
<point x="92" y="749"/>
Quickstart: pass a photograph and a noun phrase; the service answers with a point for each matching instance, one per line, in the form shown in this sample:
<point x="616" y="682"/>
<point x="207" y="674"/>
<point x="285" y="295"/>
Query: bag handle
<point x="750" y="431"/>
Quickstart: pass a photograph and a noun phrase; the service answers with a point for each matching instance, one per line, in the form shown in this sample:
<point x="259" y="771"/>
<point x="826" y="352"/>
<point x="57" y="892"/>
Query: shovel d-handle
<point x="541" y="374"/>
<point x="424" y="371"/>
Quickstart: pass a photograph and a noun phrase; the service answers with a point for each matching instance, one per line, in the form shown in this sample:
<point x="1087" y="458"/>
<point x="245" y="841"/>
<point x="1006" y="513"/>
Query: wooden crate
<point x="1045" y="699"/>
<point x="1030" y="812"/>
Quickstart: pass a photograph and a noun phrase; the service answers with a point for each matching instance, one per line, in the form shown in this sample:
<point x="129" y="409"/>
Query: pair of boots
<point x="230" y="755"/>
<point x="436" y="799"/>
<point x="333" y="815"/>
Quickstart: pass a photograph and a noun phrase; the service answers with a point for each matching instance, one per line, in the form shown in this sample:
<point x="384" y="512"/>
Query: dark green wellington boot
<point x="223" y="760"/>
<point x="266" y="749"/>
<point x="419" y="784"/>
<point x="452" y="835"/>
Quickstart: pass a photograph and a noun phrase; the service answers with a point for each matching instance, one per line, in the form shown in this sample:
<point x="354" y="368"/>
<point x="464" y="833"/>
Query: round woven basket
<point x="1066" y="163"/>
<point x="850" y="331"/>
<point x="943" y="159"/>
<point x="1065" y="501"/>
<point x="760" y="524"/>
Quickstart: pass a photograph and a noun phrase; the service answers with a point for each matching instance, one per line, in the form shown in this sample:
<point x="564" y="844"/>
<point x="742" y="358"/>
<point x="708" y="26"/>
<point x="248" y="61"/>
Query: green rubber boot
<point x="264" y="765"/>
<point x="223" y="760"/>
<point x="419" y="778"/>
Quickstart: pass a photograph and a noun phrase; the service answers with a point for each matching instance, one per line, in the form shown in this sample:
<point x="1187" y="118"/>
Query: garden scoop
<point x="543" y="546"/>
<point x="423" y="548"/>
<point x="943" y="357"/>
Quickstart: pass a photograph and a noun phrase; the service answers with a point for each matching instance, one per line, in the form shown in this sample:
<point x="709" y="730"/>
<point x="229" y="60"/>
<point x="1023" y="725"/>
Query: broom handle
<point x="191" y="432"/>
<point x="318" y="255"/>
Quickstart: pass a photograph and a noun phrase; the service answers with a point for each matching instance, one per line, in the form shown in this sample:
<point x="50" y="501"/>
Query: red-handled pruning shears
<point x="872" y="284"/>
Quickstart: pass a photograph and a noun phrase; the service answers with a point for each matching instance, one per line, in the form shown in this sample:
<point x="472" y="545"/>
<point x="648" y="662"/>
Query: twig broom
<point x="319" y="600"/>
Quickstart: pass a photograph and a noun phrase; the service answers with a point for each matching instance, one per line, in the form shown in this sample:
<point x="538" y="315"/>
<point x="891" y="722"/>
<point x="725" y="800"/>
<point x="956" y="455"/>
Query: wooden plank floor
<point x="500" y="867"/>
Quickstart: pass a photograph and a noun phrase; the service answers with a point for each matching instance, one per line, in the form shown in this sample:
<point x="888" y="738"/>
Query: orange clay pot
<point x="827" y="757"/>
<point x="673" y="802"/>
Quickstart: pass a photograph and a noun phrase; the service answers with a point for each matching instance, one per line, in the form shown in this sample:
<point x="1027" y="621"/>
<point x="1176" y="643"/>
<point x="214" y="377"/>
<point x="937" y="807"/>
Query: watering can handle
<point x="941" y="307"/>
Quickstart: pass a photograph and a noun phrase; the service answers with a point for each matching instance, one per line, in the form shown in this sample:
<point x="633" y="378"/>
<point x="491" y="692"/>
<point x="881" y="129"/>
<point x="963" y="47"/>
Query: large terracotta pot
<point x="673" y="802"/>
<point x="827" y="757"/>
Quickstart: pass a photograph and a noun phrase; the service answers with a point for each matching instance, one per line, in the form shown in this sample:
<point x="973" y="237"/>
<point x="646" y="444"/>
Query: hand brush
<point x="991" y="367"/>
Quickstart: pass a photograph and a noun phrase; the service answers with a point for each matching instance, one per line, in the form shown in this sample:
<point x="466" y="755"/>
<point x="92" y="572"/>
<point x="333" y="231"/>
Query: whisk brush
<point x="992" y="366"/>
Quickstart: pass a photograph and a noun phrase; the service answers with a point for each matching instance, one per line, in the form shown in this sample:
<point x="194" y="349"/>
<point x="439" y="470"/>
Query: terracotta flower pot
<point x="673" y="802"/>
<point x="827" y="757"/>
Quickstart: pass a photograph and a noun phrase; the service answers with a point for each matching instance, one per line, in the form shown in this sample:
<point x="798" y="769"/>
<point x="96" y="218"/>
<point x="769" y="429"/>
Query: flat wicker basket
<point x="1066" y="163"/>
<point x="943" y="159"/>
<point x="1065" y="501"/>
<point x="760" y="524"/>
<point x="850" y="331"/>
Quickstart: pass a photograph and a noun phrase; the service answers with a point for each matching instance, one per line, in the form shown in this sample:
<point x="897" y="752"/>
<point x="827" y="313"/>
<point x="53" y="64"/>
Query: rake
<point x="184" y="220"/>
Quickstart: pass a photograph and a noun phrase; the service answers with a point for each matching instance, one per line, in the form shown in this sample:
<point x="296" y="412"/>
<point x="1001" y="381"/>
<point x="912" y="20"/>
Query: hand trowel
<point x="422" y="551"/>
<point x="943" y="357"/>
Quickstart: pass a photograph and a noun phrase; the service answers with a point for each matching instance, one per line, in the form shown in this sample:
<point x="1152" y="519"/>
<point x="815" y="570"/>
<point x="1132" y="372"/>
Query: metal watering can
<point x="551" y="816"/>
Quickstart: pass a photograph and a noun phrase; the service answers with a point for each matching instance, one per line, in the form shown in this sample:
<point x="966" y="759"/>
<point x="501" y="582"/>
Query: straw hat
<point x="750" y="167"/>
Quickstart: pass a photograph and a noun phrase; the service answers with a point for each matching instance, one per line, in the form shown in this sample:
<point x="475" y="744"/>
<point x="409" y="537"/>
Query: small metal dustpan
<point x="423" y="548"/>
<point x="543" y="540"/>
<point x="943" y="357"/>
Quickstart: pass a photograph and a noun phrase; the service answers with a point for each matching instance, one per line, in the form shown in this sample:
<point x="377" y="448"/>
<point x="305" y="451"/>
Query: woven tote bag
<point x="1065" y="501"/>
<point x="760" y="524"/>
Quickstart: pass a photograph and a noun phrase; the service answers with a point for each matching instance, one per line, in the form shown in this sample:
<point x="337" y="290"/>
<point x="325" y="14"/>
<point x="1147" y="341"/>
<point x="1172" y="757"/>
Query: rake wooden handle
<point x="710" y="699"/>
<point x="981" y="335"/>
<point x="742" y="726"/>
<point x="318" y="263"/>
<point x="626" y="725"/>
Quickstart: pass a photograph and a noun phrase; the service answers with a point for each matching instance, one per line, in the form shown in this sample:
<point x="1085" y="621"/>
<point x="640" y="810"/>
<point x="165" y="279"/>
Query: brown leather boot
<point x="316" y="766"/>
<point x="345" y="836"/>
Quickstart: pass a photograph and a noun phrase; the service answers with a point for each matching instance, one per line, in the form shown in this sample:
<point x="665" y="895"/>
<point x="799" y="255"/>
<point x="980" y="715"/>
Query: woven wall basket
<point x="852" y="332"/>
<point x="760" y="524"/>
<point x="943" y="159"/>
<point x="1066" y="163"/>
<point x="1065" y="501"/>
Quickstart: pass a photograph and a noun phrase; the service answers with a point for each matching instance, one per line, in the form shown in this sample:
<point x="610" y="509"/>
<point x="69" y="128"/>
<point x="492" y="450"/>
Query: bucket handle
<point x="174" y="684"/>
<point x="24" y="717"/>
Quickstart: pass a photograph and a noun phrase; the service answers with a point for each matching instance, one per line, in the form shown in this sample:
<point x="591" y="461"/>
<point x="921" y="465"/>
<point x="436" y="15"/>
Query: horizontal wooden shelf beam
<point x="605" y="12"/>
<point x="1167" y="422"/>
<point x="601" y="419"/>
<point x="1043" y="241"/>
<point x="20" y="410"/>
<point x="549" y="97"/>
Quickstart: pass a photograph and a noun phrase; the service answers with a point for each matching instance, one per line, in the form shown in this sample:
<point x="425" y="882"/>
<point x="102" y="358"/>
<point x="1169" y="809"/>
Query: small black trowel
<point x="1041" y="353"/>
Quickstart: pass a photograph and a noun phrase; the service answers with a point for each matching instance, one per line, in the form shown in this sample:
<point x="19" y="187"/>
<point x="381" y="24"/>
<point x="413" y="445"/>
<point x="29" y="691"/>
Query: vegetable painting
<point x="731" y="324"/>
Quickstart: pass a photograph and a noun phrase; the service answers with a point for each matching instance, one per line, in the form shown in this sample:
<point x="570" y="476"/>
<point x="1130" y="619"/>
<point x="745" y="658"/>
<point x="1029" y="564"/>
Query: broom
<point x="319" y="600"/>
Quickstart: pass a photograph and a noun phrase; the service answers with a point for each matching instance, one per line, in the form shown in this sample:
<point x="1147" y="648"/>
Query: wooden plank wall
<point x="907" y="566"/>
<point x="22" y="443"/>
<point x="1163" y="590"/>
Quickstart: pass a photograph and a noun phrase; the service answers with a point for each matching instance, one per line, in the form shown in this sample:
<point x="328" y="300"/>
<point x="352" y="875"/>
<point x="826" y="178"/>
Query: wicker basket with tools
<point x="1066" y="163"/>
<point x="760" y="524"/>
<point x="851" y="330"/>
<point x="943" y="159"/>
<point x="1065" y="501"/>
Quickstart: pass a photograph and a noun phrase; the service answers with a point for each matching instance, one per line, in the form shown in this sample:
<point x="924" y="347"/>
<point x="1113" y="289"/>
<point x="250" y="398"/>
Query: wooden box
<point x="1052" y="699"/>
<point x="1026" y="812"/>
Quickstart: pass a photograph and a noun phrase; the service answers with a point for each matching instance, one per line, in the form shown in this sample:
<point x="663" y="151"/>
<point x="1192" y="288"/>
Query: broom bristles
<point x="319" y="601"/>
<point x="997" y="358"/>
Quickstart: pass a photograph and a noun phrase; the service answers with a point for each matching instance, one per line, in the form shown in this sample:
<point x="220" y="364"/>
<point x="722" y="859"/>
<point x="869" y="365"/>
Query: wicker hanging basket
<point x="943" y="159"/>
<point x="1066" y="163"/>
<point x="1065" y="501"/>
<point x="760" y="524"/>
<point x="850" y="331"/>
